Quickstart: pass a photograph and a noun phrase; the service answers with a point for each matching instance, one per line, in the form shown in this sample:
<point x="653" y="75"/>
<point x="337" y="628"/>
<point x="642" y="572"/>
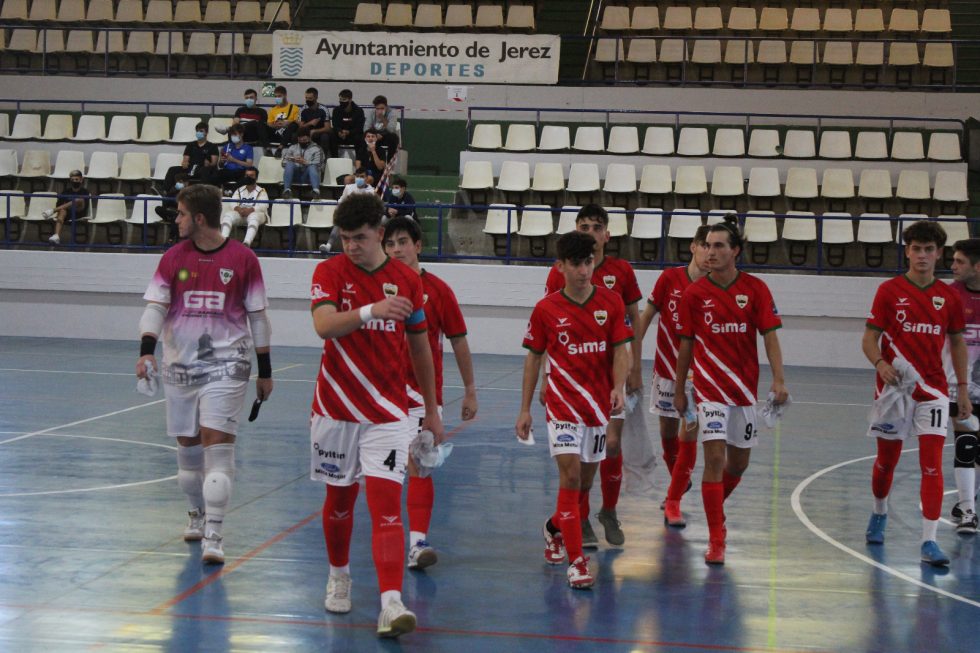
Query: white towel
<point x="426" y="455"/>
<point x="890" y="412"/>
<point x="773" y="412"/>
<point x="149" y="385"/>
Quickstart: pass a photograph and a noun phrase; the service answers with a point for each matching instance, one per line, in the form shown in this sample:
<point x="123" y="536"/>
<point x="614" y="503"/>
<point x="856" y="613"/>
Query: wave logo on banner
<point x="291" y="54"/>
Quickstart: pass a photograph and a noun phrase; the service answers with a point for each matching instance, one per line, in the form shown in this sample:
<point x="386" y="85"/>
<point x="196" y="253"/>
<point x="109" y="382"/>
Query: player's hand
<point x="618" y="400"/>
<point x="393" y="308"/>
<point x="470" y="406"/>
<point x="432" y="422"/>
<point x="141" y="365"/>
<point x="964" y="406"/>
<point x="680" y="402"/>
<point x="779" y="389"/>
<point x="263" y="388"/>
<point x="523" y="426"/>
<point x="888" y="373"/>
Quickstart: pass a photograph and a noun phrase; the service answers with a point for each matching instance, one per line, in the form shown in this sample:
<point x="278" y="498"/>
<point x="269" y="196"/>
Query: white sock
<point x="414" y="537"/>
<point x="965" y="481"/>
<point x="249" y="235"/>
<point x="340" y="571"/>
<point x="929" y="527"/>
<point x="387" y="597"/>
<point x="190" y="475"/>
<point x="881" y="506"/>
<point x="976" y="480"/>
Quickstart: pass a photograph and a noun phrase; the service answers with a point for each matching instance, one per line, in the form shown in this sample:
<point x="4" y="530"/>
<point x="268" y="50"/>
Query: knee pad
<point x="190" y="481"/>
<point x="217" y="489"/>
<point x="219" y="465"/>
<point x="965" y="450"/>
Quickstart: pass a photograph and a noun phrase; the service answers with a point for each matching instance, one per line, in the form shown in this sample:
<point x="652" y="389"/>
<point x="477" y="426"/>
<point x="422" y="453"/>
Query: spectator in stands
<point x="303" y="163"/>
<point x="168" y="208"/>
<point x="371" y="157"/>
<point x="358" y="184"/>
<point x="398" y="201"/>
<point x="200" y="159"/>
<point x="384" y="121"/>
<point x="235" y="157"/>
<point x="314" y="116"/>
<point x="283" y="121"/>
<point x="249" y="208"/>
<point x="72" y="203"/>
<point x="252" y="119"/>
<point x="347" y="120"/>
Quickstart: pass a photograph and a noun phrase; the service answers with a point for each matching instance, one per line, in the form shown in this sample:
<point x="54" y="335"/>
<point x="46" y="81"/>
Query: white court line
<point x="17" y="369"/>
<point x="89" y="489"/>
<point x="798" y="509"/>
<point x="81" y="421"/>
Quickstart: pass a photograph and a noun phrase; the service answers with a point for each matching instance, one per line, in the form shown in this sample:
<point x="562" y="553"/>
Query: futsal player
<point x="720" y="317"/>
<point x="912" y="316"/>
<point x="680" y="447"/>
<point x="403" y="242"/>
<point x="616" y="275"/>
<point x="368" y="309"/>
<point x="207" y="303"/>
<point x="582" y="329"/>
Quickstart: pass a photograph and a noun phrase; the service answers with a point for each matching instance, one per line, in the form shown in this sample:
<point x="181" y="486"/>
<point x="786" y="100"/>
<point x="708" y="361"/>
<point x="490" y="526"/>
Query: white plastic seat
<point x="144" y="210"/>
<point x="903" y="22"/>
<point x="799" y="226"/>
<point x="399" y="14"/>
<point x="875" y="184"/>
<point x="716" y="215"/>
<point x="773" y="19"/>
<point x="165" y="161"/>
<point x="58" y="128"/>
<point x="489" y="17"/>
<point x="129" y="11"/>
<point x="870" y="54"/>
<point x="656" y="179"/>
<point x="763" y="183"/>
<point x="275" y="12"/>
<point x="8" y="163"/>
<point x="835" y="145"/>
<point x="12" y="206"/>
<point x="37" y="204"/>
<point x="320" y="215"/>
<point x="486" y="136"/>
<point x="771" y="52"/>
<point x="79" y="41"/>
<point x="554" y="137"/>
<point x="803" y="53"/>
<point x="874" y="229"/>
<point x="806" y="20"/>
<point x="869" y="21"/>
<point x="727" y="181"/>
<point x="477" y="175"/>
<point x="135" y="166"/>
<point x="913" y="185"/>
<point x="738" y="53"/>
<point x="764" y="143"/>
<point x="583" y="178"/>
<point x="936" y="21"/>
<point x="501" y="220"/>
<point x="188" y="11"/>
<point x="645" y="18"/>
<point x="684" y="223"/>
<point x="103" y="165"/>
<point x="938" y="55"/>
<point x="270" y="172"/>
<point x="615" y="19"/>
<point x="706" y="52"/>
<point x="837" y="228"/>
<point x="838" y="21"/>
<point x="955" y="226"/>
<point x="708" y="19"/>
<point x="648" y="224"/>
<point x="23" y="40"/>
<point x="230" y="44"/>
<point x="155" y="129"/>
<point x="109" y="208"/>
<point x="520" y="17"/>
<point x="260" y="45"/>
<point x="427" y="16"/>
<point x="903" y="54"/>
<point x="620" y="178"/>
<point x="642" y="51"/>
<point x="122" y="129"/>
<point x="672" y="51"/>
<point x="693" y="141"/>
<point x="658" y="141"/>
<point x="214" y="124"/>
<point x="729" y="142"/>
<point x="285" y="214"/>
<point x="515" y="176"/>
<point x="66" y="161"/>
<point x="799" y="144"/>
<point x="838" y="53"/>
<point x="184" y="129"/>
<point x="871" y="145"/>
<point x="336" y="168"/>
<point x="27" y="126"/>
<point x="170" y="43"/>
<point x="90" y="128"/>
<point x="248" y="11"/>
<point x="36" y="163"/>
<point x="459" y="16"/>
<point x="217" y="12"/>
<point x="908" y="146"/>
<point x="617" y="221"/>
<point x="678" y="18"/>
<point x="14" y="10"/>
<point x="535" y="221"/>
<point x="159" y="11"/>
<point x="837" y="183"/>
<point x="548" y="178"/>
<point x="368" y="14"/>
<point x="42" y="11"/>
<point x="944" y="146"/>
<point x="140" y="43"/>
<point x="589" y="139"/>
<point x="950" y="186"/>
<point x="623" y="139"/>
<point x="801" y="183"/>
<point x="761" y="227"/>
<point x="520" y="138"/>
<point x="690" y="180"/>
<point x="566" y="219"/>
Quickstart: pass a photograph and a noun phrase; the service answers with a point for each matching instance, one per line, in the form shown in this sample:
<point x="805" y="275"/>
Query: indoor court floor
<point x="91" y="555"/>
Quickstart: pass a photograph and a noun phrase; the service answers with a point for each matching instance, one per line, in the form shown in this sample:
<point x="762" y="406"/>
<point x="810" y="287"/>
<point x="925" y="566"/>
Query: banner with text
<point x="415" y="57"/>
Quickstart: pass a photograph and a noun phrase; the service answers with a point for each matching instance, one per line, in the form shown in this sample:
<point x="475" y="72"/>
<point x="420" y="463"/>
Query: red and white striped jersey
<point x="971" y="314"/>
<point x="723" y="322"/>
<point x="579" y="340"/>
<point x="666" y="298"/>
<point x="913" y="322"/>
<point x="357" y="381"/>
<point x="444" y="318"/>
<point x="613" y="273"/>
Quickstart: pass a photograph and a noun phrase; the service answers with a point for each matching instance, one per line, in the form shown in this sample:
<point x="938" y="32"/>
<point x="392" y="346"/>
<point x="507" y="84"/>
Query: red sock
<point x="567" y="519"/>
<point x="384" y="499"/>
<point x="730" y="482"/>
<point x="611" y="479"/>
<point x="670" y="452"/>
<point x="583" y="505"/>
<point x="713" y="495"/>
<point x="338" y="521"/>
<point x="889" y="452"/>
<point x="421" y="494"/>
<point x="931" y="465"/>
<point x="680" y="476"/>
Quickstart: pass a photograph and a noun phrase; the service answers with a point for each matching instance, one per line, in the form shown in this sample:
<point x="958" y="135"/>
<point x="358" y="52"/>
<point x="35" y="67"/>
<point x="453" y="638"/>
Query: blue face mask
<point x="236" y="139"/>
<point x="280" y="99"/>
<point x="396" y="192"/>
<point x="179" y="185"/>
<point x="360" y="181"/>
<point x="249" y="102"/>
<point x="200" y="135"/>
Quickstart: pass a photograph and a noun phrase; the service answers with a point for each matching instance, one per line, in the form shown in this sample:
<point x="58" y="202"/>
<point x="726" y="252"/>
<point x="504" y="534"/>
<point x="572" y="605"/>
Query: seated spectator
<point x="252" y="119"/>
<point x="168" y="208"/>
<point x="72" y="203"/>
<point x="385" y="123"/>
<point x="283" y="121"/>
<point x="398" y="201"/>
<point x="314" y="116"/>
<point x="302" y="162"/>
<point x="358" y="184"/>
<point x="200" y="159"/>
<point x="371" y="157"/>
<point x="249" y="208"/>
<point x="347" y="122"/>
<point x="235" y="157"/>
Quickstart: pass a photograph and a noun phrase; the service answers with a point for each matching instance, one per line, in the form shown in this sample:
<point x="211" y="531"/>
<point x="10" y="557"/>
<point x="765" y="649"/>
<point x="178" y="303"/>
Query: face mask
<point x="280" y="99"/>
<point x="236" y="139"/>
<point x="250" y="181"/>
<point x="311" y="103"/>
<point x="179" y="185"/>
<point x="344" y="102"/>
<point x="304" y="145"/>
<point x="360" y="181"/>
<point x="396" y="192"/>
<point x="249" y="102"/>
<point x="200" y="135"/>
<point x="76" y="184"/>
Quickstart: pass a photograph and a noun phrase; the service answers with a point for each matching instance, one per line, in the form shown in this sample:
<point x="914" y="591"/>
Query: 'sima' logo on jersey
<point x="609" y="280"/>
<point x="390" y="289"/>
<point x="729" y="327"/>
<point x="208" y="299"/>
<point x="379" y="325"/>
<point x="922" y="327"/>
<point x="593" y="347"/>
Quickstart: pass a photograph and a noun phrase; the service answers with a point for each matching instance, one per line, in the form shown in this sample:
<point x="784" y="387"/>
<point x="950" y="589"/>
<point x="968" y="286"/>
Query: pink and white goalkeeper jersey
<point x="205" y="334"/>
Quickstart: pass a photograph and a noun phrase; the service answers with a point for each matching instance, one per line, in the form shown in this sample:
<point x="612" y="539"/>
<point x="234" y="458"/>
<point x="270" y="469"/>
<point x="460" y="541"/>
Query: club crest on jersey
<point x="938" y="302"/>
<point x="741" y="301"/>
<point x="316" y="292"/>
<point x="225" y="274"/>
<point x="609" y="280"/>
<point x="390" y="289"/>
<point x="600" y="317"/>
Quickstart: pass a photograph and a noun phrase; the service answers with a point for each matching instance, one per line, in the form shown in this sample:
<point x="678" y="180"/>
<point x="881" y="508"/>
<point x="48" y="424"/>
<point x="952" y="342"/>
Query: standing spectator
<point x="347" y="120"/>
<point x="200" y="159"/>
<point x="72" y="203"/>
<point x="384" y="122"/>
<point x="250" y="209"/>
<point x="234" y="158"/>
<point x="304" y="161"/>
<point x="252" y="119"/>
<point x="371" y="157"/>
<point x="314" y="116"/>
<point x="283" y="121"/>
<point x="398" y="201"/>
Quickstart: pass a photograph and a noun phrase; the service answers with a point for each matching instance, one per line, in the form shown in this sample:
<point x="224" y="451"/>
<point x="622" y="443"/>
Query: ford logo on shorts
<point x="565" y="437"/>
<point x="329" y="467"/>
<point x="666" y="405"/>
<point x="714" y="425"/>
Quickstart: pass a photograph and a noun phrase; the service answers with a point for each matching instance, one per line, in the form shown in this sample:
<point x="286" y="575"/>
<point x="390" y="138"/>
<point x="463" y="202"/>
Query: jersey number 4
<point x="389" y="462"/>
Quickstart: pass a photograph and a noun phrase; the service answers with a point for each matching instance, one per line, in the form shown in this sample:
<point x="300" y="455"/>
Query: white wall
<point x="98" y="296"/>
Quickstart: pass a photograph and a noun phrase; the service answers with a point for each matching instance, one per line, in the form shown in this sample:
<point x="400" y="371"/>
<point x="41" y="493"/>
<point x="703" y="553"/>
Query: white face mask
<point x="236" y="139"/>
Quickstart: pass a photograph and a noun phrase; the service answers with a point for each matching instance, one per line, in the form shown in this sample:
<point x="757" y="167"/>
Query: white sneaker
<point x="195" y="526"/>
<point x="325" y="248"/>
<point x="421" y="555"/>
<point x="395" y="619"/>
<point x="55" y="239"/>
<point x="48" y="214"/>
<point x="211" y="550"/>
<point x="338" y="593"/>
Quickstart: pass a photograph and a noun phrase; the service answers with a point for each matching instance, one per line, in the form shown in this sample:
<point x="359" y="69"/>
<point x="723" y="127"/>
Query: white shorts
<point x="924" y="418"/>
<point x="417" y="414"/>
<point x="342" y="451"/>
<point x="588" y="442"/>
<point x="662" y="397"/>
<point x="734" y="424"/>
<point x="216" y="405"/>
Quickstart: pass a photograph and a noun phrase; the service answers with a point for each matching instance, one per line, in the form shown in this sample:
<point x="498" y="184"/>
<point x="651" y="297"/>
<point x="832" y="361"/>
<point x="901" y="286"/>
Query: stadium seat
<point x="520" y="138"/>
<point x="903" y="22"/>
<point x="690" y="183"/>
<point x="109" y="213"/>
<point x="65" y="162"/>
<point x="799" y="229"/>
<point x="656" y="180"/>
<point x="693" y="141"/>
<point x="763" y="187"/>
<point x="806" y="21"/>
<point x="907" y="146"/>
<point x="742" y="19"/>
<point x="14" y="10"/>
<point x="37" y="204"/>
<point x="837" y="187"/>
<point x="617" y="221"/>
<point x="184" y="129"/>
<point x="936" y="22"/>
<point x="12" y="210"/>
<point x="477" y="175"/>
<point x="645" y="18"/>
<point x="159" y="12"/>
<point x="520" y="17"/>
<point x="801" y="188"/>
<point x="683" y="225"/>
<point x="248" y="11"/>
<point x="764" y="143"/>
<point x="216" y="12"/>
<point x="727" y="186"/>
<point x="515" y="177"/>
<point x="771" y="56"/>
<point x="398" y="15"/>
<point x="938" y="58"/>
<point x="285" y="217"/>
<point x="536" y="226"/>
<point x="715" y="216"/>
<point x="566" y="219"/>
<point x="427" y="16"/>
<point x="835" y="145"/>
<point x="738" y="54"/>
<point x="502" y="221"/>
<point x="799" y="144"/>
<point x="368" y="14"/>
<point x="188" y="12"/>
<point x="548" y="178"/>
<point x="773" y="19"/>
<point x="623" y="139"/>
<point x="319" y="219"/>
<point x="554" y="138"/>
<point x="729" y="142"/>
<point x="486" y="136"/>
<point x="276" y="12"/>
<point x="337" y="167"/>
<point x="944" y="146"/>
<point x="215" y="123"/>
<point x="143" y="216"/>
<point x="904" y="220"/>
<point x="760" y="232"/>
<point x="135" y="167"/>
<point x="129" y="11"/>
<point x="837" y="230"/>
<point x="589" y="139"/>
<point x="870" y="57"/>
<point x="869" y="22"/>
<point x="167" y="160"/>
<point x="170" y="44"/>
<point x="620" y="178"/>
<point x="583" y="178"/>
<point x="648" y="225"/>
<point x="875" y="187"/>
<point x="27" y="126"/>
<point x="913" y="190"/>
<point x="270" y="172"/>
<point x="122" y="129"/>
<point x="678" y="18"/>
<point x="838" y="21"/>
<point x="708" y="19"/>
<point x="615" y="19"/>
<point x="956" y="227"/>
<point x="871" y="145"/>
<point x="949" y="191"/>
<point x="803" y="55"/>
<point x="103" y="166"/>
<point x="490" y="17"/>
<point x="658" y="141"/>
<point x="36" y="163"/>
<point x="43" y="11"/>
<point x="706" y="54"/>
<point x="459" y="16"/>
<point x="8" y="163"/>
<point x="874" y="231"/>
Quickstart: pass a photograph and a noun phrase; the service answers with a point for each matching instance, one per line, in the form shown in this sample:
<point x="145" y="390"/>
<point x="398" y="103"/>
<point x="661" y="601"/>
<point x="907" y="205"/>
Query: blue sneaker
<point x="876" y="529"/>
<point x="932" y="554"/>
